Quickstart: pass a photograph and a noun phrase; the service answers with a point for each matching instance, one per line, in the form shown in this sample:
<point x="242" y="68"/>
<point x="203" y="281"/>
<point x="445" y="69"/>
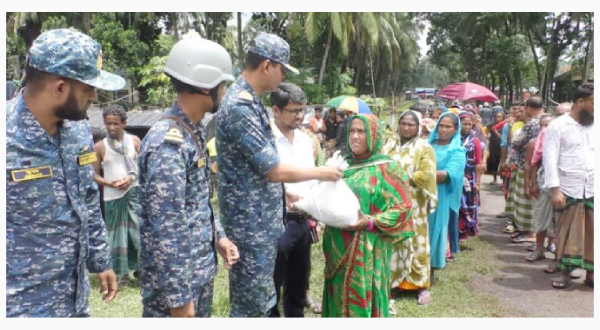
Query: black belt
<point x="296" y="216"/>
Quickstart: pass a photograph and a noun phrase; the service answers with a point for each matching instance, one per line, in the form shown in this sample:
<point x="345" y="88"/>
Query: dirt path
<point x="522" y="287"/>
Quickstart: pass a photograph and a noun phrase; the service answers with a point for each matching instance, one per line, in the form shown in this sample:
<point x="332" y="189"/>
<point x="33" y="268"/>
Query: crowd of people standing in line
<point x="418" y="190"/>
<point x="547" y="160"/>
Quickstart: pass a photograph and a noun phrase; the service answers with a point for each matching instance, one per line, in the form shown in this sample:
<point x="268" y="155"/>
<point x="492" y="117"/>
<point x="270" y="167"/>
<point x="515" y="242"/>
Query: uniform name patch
<point x="201" y="162"/>
<point x="86" y="159"/>
<point x="31" y="173"/>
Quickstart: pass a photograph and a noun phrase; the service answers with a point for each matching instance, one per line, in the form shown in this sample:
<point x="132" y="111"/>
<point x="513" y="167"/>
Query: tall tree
<point x="239" y="40"/>
<point x="335" y="24"/>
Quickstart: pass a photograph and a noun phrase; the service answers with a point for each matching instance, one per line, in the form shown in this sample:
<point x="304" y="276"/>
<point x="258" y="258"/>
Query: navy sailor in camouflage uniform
<point x="250" y="176"/>
<point x="54" y="228"/>
<point x="179" y="235"/>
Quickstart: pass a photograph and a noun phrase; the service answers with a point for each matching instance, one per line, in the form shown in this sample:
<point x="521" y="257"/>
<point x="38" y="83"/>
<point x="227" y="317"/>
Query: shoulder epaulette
<point x="174" y="134"/>
<point x="245" y="97"/>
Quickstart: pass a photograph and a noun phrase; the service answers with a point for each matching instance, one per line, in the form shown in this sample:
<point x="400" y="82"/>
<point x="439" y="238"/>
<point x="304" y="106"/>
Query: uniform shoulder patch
<point x="174" y="134"/>
<point x="245" y="97"/>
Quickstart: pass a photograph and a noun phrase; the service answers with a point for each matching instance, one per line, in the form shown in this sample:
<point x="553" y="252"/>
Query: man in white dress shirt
<point x="292" y="268"/>
<point x="569" y="165"/>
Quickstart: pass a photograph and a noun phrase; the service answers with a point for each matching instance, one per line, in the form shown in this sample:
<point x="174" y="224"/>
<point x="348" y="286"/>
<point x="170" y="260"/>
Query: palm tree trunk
<point x="372" y="78"/>
<point x="327" y="47"/>
<point x="588" y="59"/>
<point x="239" y="39"/>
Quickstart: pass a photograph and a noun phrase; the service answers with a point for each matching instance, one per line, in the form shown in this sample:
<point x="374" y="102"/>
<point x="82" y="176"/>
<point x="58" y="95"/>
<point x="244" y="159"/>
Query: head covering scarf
<point x="356" y="272"/>
<point x="451" y="159"/>
<point x="444" y="156"/>
<point x="477" y="130"/>
<point x="375" y="130"/>
<point x="416" y="116"/>
<point x="465" y="114"/>
<point x="469" y="135"/>
<point x="409" y="264"/>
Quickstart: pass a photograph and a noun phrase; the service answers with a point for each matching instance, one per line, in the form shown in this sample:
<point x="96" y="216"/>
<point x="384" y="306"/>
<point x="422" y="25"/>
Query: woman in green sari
<point x="410" y="260"/>
<point x="357" y="258"/>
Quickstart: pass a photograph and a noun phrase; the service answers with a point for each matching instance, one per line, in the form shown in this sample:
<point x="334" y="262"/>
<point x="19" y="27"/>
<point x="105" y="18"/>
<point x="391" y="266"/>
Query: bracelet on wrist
<point x="370" y="226"/>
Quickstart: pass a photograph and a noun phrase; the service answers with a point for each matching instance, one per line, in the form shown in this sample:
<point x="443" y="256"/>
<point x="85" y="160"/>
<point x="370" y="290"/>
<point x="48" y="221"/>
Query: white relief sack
<point x="332" y="203"/>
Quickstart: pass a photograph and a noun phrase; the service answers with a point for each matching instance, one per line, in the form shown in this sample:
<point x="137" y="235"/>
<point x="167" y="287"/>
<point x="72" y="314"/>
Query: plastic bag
<point x="332" y="203"/>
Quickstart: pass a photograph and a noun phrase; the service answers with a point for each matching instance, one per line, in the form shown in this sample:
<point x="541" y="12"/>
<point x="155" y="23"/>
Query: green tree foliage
<point x="122" y="49"/>
<point x="306" y="81"/>
<point x="338" y="53"/>
<point x="155" y="81"/>
<point x="501" y="49"/>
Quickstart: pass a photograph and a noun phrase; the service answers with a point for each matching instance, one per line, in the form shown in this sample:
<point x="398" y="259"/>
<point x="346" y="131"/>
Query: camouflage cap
<point x="71" y="54"/>
<point x="273" y="48"/>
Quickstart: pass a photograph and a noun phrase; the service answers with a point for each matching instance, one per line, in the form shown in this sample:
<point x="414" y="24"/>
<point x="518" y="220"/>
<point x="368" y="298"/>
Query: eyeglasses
<point x="296" y="112"/>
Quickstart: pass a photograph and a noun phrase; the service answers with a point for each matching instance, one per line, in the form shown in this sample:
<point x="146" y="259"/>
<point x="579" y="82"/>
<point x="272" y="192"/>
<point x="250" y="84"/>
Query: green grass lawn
<point x="451" y="295"/>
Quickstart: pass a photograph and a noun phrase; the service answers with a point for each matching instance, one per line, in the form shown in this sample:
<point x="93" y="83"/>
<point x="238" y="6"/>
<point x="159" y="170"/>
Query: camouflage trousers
<point x="44" y="300"/>
<point x="202" y="302"/>
<point x="251" y="286"/>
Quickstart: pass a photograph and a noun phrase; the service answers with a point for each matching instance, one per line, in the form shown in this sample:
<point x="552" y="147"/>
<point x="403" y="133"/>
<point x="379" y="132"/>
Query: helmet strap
<point x="213" y="95"/>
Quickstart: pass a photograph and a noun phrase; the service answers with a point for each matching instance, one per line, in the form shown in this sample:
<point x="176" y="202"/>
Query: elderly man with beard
<point x="569" y="164"/>
<point x="54" y="228"/>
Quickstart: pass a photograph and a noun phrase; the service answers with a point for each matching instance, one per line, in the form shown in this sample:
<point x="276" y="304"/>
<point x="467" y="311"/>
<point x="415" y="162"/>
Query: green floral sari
<point x="357" y="263"/>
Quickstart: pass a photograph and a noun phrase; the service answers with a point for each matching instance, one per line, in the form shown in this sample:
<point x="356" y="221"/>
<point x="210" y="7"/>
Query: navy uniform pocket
<point x="29" y="198"/>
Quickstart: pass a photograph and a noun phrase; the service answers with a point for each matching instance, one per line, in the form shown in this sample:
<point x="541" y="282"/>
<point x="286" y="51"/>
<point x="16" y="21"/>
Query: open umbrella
<point x="350" y="103"/>
<point x="467" y="91"/>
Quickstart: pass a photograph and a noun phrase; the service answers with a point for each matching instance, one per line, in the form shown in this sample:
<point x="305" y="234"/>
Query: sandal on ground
<point x="562" y="284"/>
<point x="521" y="239"/>
<point x="551" y="248"/>
<point x="314" y="305"/>
<point x="576" y="273"/>
<point x="392" y="307"/>
<point x="502" y="215"/>
<point x="510" y="229"/>
<point x="551" y="269"/>
<point x="450" y="259"/>
<point x="424" y="297"/>
<point x="532" y="247"/>
<point x="536" y="256"/>
<point x="516" y="234"/>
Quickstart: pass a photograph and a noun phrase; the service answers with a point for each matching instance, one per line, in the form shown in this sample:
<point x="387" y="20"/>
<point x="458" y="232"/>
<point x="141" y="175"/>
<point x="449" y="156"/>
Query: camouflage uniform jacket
<point x="251" y="206"/>
<point x="54" y="228"/>
<point x="177" y="226"/>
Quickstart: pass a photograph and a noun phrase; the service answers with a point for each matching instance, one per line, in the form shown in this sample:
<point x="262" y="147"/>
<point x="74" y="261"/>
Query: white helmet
<point x="199" y="62"/>
<point x="485" y="104"/>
